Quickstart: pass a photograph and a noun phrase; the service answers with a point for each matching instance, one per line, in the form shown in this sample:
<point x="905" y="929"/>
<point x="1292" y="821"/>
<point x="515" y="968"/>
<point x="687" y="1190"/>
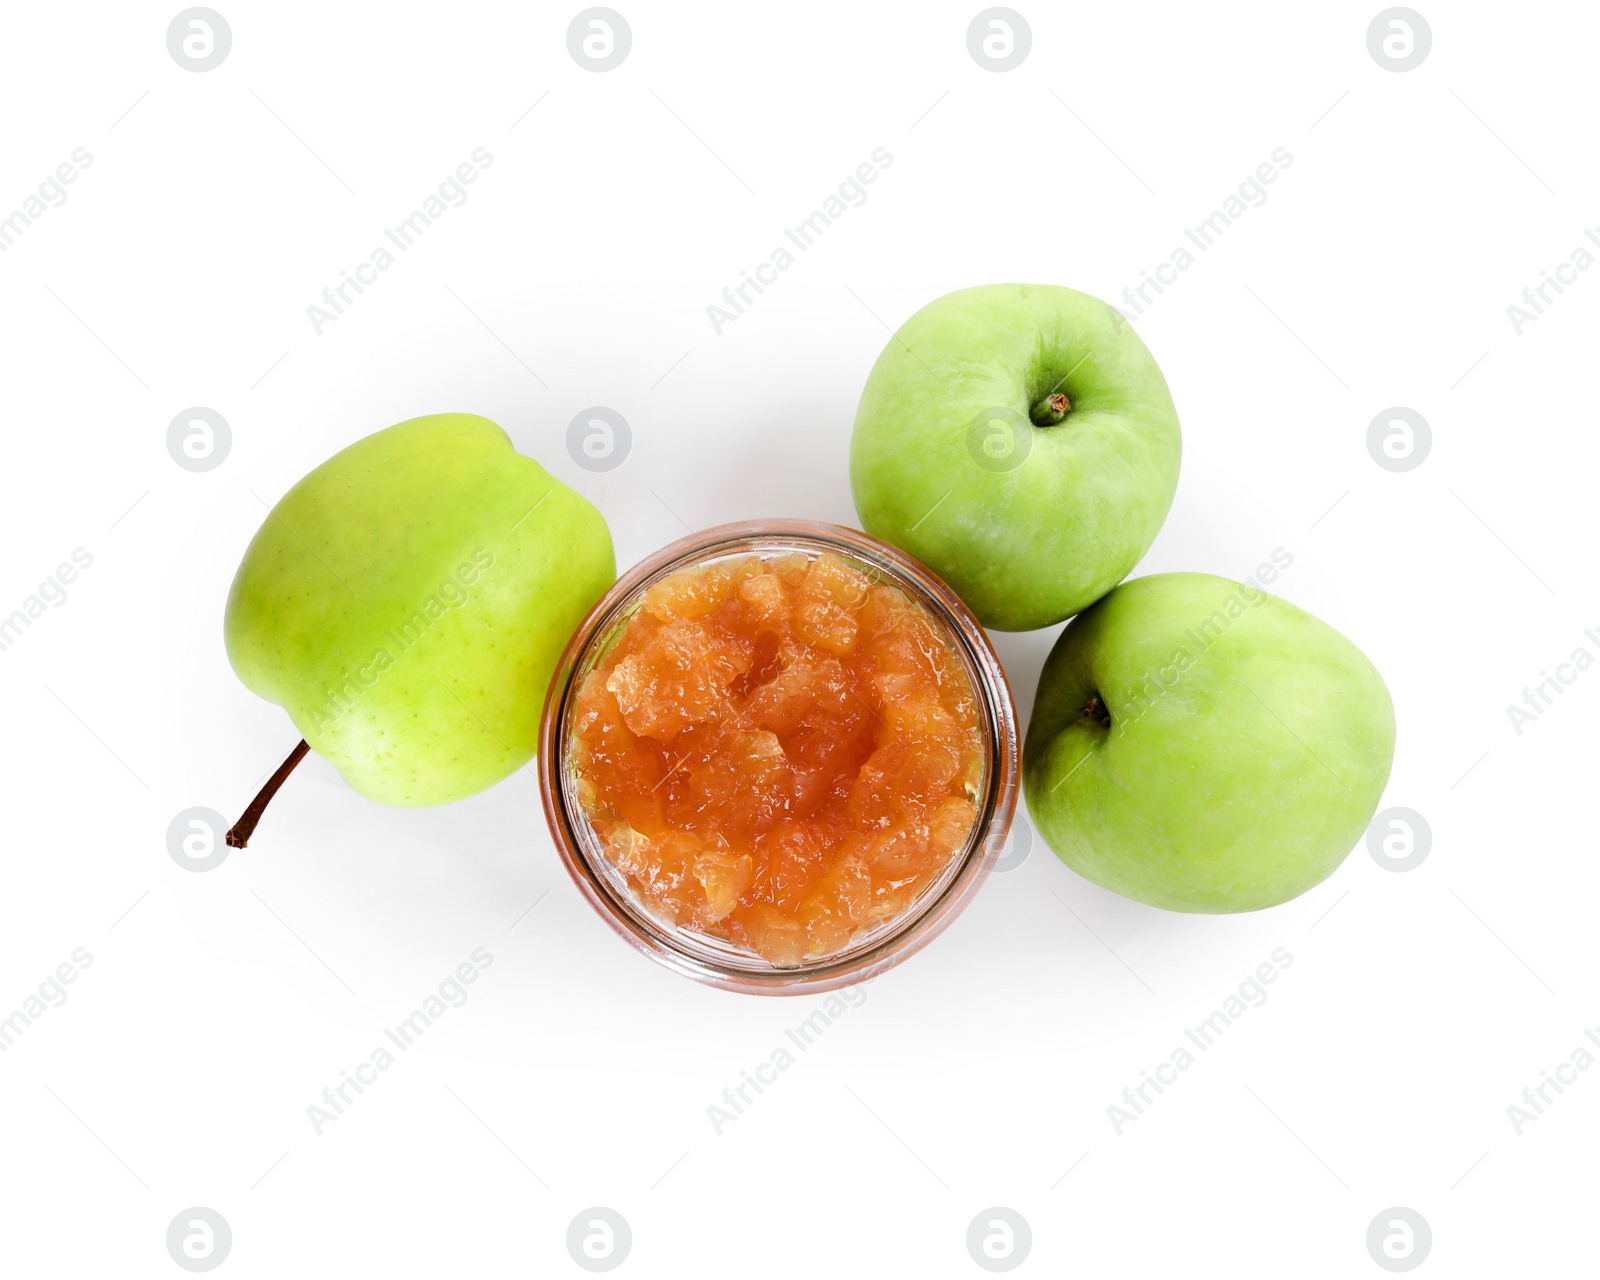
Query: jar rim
<point x="899" y="938"/>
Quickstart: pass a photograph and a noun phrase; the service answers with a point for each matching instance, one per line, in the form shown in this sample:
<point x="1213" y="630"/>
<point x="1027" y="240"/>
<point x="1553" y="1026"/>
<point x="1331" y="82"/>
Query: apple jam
<point x="778" y="752"/>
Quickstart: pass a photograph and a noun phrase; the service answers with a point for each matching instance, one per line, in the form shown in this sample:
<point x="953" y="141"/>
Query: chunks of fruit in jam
<point x="780" y="753"/>
<point x="677" y="677"/>
<point x="829" y="600"/>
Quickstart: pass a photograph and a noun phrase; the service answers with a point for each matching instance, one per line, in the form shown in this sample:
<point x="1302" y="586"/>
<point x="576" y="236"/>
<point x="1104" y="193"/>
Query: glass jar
<point x="717" y="961"/>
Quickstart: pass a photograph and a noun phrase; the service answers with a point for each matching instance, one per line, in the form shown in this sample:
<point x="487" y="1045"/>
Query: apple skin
<point x="1248" y="746"/>
<point x="407" y="601"/>
<point x="1028" y="546"/>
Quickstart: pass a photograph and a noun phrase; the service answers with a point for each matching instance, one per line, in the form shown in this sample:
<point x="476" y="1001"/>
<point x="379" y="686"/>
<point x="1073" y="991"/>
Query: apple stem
<point x="1051" y="410"/>
<point x="240" y="832"/>
<point x="1096" y="712"/>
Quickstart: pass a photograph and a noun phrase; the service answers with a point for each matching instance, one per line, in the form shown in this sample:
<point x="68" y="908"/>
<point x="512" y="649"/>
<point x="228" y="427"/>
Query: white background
<point x="219" y="1005"/>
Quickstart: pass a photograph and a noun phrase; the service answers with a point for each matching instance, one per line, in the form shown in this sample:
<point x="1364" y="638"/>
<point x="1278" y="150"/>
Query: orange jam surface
<point x="778" y="752"/>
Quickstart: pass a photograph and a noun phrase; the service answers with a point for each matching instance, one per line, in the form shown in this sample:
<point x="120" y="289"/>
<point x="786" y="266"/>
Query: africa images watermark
<point x="1536" y="297"/>
<point x="1536" y="1098"/>
<point x="450" y="994"/>
<point x="450" y="194"/>
<point x="50" y="194"/>
<point x="451" y="594"/>
<point x="52" y="591"/>
<point x="1249" y="194"/>
<point x="1542" y="696"/>
<point x="1250" y="994"/>
<point x="736" y="1098"/>
<point x="849" y="194"/>
<point x="1143" y="693"/>
<point x="51" y="994"/>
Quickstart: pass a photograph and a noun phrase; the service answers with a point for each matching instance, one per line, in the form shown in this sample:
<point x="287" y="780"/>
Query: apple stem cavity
<point x="1051" y="410"/>
<point x="240" y="832"/>
<point x="1096" y="712"/>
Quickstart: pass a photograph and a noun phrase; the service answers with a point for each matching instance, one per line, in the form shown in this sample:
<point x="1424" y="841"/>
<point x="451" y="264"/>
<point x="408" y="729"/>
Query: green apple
<point x="1200" y="745"/>
<point x="406" y="603"/>
<point x="1020" y="441"/>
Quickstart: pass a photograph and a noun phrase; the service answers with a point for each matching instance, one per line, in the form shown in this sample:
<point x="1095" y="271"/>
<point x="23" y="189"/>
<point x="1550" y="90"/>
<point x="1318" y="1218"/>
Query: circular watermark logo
<point x="199" y="439"/>
<point x="199" y="1239"/>
<point x="1399" y="439"/>
<point x="999" y="39"/>
<point x="1399" y="839"/>
<point x="599" y="39"/>
<point x="194" y="839"/>
<point x="1399" y="1239"/>
<point x="599" y="1239"/>
<point x="599" y="439"/>
<point x="1000" y="439"/>
<point x="999" y="1239"/>
<point x="1019" y="844"/>
<point x="1399" y="39"/>
<point x="199" y="39"/>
